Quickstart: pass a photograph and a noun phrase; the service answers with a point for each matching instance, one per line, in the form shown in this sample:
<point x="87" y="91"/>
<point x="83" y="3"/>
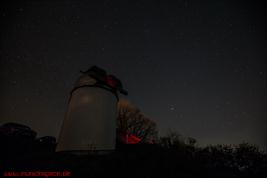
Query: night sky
<point x="195" y="67"/>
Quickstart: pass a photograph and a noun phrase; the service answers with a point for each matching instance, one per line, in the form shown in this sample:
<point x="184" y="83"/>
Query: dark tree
<point x="132" y="121"/>
<point x="171" y="140"/>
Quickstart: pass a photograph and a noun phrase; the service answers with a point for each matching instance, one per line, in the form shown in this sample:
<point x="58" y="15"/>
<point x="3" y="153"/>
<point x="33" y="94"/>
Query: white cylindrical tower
<point x="90" y="121"/>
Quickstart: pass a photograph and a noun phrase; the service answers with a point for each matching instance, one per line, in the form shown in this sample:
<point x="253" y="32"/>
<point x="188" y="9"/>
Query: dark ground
<point x="21" y="151"/>
<point x="141" y="161"/>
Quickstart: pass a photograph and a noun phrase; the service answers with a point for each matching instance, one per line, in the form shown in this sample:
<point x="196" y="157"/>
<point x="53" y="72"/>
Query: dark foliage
<point x="19" y="140"/>
<point x="130" y="120"/>
<point x="172" y="157"/>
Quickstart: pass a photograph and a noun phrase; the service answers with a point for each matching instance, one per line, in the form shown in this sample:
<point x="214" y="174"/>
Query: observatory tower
<point x="90" y="120"/>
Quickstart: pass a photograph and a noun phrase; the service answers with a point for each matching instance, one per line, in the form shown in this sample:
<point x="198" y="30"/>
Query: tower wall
<point x="90" y="121"/>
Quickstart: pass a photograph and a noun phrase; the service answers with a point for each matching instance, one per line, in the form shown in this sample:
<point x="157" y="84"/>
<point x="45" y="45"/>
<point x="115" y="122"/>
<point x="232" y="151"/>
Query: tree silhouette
<point x="171" y="140"/>
<point x="132" y="121"/>
<point x="191" y="141"/>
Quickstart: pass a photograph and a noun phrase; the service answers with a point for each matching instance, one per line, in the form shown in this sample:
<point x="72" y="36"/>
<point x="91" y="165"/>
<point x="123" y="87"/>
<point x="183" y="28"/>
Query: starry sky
<point x="197" y="67"/>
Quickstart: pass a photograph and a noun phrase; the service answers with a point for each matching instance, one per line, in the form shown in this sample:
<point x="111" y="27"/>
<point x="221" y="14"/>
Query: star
<point x="14" y="82"/>
<point x="172" y="108"/>
<point x="26" y="100"/>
